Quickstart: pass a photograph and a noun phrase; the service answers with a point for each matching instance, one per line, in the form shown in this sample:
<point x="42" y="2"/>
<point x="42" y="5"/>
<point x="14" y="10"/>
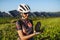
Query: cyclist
<point x="24" y="25"/>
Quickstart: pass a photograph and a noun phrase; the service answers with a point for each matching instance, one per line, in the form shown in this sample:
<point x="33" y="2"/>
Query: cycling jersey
<point x="24" y="24"/>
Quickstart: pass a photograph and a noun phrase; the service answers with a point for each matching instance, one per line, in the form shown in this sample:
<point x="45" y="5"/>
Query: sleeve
<point x="18" y="26"/>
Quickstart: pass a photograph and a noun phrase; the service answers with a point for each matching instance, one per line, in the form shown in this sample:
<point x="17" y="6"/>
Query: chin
<point x="26" y="18"/>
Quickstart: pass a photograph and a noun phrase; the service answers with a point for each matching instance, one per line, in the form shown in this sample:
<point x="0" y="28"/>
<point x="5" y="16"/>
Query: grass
<point x="50" y="26"/>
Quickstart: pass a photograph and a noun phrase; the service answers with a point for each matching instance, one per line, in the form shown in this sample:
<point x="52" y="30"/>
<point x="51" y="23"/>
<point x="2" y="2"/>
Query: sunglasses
<point x="27" y="13"/>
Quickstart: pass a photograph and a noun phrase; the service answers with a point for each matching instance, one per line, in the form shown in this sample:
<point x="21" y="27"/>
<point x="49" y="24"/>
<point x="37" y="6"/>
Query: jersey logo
<point x="29" y="24"/>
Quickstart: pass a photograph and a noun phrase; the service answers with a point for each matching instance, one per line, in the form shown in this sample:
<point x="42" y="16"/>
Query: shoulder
<point x="18" y="25"/>
<point x="19" y="22"/>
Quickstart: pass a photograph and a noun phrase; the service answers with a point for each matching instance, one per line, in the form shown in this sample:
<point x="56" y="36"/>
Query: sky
<point x="35" y="5"/>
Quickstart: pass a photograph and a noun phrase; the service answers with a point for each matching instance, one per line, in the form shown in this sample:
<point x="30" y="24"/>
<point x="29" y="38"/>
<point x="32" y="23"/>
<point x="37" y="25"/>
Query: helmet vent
<point x="22" y="7"/>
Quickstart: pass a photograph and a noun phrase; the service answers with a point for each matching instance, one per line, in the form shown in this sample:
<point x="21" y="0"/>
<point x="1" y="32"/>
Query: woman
<point x="24" y="25"/>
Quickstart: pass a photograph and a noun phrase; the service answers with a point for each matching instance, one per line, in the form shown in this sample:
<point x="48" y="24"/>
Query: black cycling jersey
<point x="24" y="24"/>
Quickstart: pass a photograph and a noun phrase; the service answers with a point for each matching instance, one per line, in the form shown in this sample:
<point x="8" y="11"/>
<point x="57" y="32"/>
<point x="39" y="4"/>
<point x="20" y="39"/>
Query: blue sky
<point x="35" y="5"/>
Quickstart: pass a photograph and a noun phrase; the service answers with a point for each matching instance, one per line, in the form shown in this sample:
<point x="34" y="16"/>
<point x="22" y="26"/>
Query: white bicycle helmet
<point x="23" y="8"/>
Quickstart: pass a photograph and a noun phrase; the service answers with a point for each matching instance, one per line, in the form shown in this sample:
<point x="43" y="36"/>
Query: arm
<point x="24" y="37"/>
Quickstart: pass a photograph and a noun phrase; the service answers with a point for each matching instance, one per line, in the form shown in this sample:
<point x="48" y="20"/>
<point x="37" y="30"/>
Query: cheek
<point x="23" y="15"/>
<point x="26" y="15"/>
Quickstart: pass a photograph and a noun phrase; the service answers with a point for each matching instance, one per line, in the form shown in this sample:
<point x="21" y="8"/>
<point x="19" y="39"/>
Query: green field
<point x="50" y="26"/>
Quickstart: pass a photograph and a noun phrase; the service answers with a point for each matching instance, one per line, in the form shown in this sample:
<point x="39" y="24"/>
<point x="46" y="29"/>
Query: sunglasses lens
<point x="27" y="13"/>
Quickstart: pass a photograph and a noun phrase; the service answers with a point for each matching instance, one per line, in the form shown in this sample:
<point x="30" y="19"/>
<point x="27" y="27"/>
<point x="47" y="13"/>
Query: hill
<point x="15" y="13"/>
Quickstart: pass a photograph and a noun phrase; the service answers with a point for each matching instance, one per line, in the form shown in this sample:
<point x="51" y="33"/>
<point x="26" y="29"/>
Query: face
<point x="25" y="15"/>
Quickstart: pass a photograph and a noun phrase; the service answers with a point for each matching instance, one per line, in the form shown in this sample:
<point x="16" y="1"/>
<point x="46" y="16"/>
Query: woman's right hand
<point x="36" y="32"/>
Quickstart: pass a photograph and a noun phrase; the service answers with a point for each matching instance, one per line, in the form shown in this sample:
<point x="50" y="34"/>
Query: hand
<point x="36" y="32"/>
